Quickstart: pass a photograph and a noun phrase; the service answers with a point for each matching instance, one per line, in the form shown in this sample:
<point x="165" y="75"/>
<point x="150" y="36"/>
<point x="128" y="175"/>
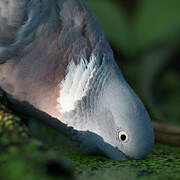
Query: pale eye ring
<point x="123" y="136"/>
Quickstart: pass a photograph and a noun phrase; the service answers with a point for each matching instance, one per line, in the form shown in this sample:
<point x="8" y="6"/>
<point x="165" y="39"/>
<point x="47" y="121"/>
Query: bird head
<point x="98" y="102"/>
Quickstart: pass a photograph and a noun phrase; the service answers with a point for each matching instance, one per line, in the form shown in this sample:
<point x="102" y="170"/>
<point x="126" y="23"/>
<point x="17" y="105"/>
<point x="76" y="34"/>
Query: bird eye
<point x="123" y="136"/>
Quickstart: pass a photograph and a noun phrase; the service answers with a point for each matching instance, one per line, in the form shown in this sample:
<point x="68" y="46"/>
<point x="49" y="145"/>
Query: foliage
<point x="153" y="22"/>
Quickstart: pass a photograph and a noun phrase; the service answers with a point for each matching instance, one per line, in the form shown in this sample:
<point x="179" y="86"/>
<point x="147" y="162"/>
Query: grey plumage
<point x="55" y="59"/>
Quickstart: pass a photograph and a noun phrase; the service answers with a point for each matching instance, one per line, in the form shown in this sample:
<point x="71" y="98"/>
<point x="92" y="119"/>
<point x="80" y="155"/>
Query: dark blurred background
<point x="145" y="38"/>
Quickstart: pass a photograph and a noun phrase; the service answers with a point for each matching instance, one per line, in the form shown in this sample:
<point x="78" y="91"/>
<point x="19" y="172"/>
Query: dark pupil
<point x="123" y="137"/>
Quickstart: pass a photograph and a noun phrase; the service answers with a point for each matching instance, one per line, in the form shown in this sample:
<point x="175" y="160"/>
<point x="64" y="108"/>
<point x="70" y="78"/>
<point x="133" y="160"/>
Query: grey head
<point x="98" y="102"/>
<point x="54" y="56"/>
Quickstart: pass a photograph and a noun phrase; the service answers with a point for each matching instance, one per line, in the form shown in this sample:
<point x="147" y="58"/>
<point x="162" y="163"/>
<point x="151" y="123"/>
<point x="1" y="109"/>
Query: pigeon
<point x="56" y="64"/>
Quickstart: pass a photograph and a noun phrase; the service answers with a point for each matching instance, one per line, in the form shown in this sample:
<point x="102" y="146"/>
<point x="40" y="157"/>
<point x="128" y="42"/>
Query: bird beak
<point x="112" y="152"/>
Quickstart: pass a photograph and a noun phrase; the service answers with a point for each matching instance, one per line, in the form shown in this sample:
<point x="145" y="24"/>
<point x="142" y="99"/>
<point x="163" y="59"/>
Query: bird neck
<point x="81" y="88"/>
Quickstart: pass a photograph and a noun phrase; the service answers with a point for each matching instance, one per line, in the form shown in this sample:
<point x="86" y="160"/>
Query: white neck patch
<point x="76" y="83"/>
